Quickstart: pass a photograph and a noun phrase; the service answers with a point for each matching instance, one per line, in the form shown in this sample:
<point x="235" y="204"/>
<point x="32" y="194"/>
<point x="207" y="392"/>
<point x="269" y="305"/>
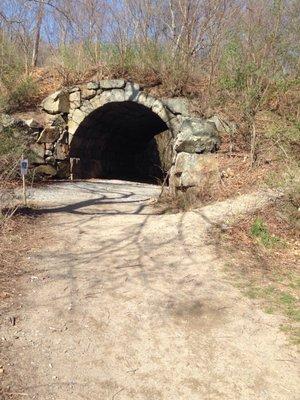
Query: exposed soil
<point x="20" y="236"/>
<point x="123" y="303"/>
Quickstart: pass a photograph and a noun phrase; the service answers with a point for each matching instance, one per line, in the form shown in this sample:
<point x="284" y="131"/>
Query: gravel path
<point x="127" y="304"/>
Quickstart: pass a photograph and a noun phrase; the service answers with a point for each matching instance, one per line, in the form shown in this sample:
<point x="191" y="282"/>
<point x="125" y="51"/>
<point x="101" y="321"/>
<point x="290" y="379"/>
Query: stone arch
<point x="69" y="109"/>
<point x="96" y="94"/>
<point x="127" y="103"/>
<point x="123" y="140"/>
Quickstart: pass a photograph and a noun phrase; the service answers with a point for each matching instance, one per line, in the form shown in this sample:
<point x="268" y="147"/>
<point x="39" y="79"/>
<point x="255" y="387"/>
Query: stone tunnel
<point x="123" y="140"/>
<point x="113" y="129"/>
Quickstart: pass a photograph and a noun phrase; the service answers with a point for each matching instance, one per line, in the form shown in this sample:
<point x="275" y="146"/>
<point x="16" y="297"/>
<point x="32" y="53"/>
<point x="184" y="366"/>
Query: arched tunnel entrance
<point x="122" y="140"/>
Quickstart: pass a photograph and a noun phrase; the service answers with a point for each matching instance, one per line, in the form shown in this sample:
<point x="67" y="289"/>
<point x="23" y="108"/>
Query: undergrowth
<point x="260" y="231"/>
<point x="260" y="254"/>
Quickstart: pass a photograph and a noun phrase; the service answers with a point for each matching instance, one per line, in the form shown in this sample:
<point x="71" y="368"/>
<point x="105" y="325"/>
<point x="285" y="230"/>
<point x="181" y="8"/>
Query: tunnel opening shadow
<point x="121" y="140"/>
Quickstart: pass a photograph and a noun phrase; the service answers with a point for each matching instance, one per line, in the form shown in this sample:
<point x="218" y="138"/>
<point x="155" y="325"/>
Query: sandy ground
<point x="123" y="304"/>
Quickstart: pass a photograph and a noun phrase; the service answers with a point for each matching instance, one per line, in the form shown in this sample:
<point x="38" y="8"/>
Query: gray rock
<point x="88" y="94"/>
<point x="48" y="153"/>
<point x="50" y="160"/>
<point x="9" y="121"/>
<point x="74" y="89"/>
<point x="45" y="169"/>
<point x="101" y="99"/>
<point x="93" y="85"/>
<point x="49" y="135"/>
<point x="177" y="105"/>
<point x="63" y="169"/>
<point x="194" y="170"/>
<point x="56" y="120"/>
<point x="63" y="137"/>
<point x="222" y="125"/>
<point x="33" y="124"/>
<point x="61" y="151"/>
<point x="175" y="124"/>
<point x="117" y="95"/>
<point x="145" y="100"/>
<point x="38" y="149"/>
<point x="112" y="84"/>
<point x="72" y="128"/>
<point x="160" y="109"/>
<point x="87" y="105"/>
<point x="197" y="136"/>
<point x="75" y="100"/>
<point x="78" y="116"/>
<point x="57" y="102"/>
<point x="131" y="91"/>
<point x="37" y="153"/>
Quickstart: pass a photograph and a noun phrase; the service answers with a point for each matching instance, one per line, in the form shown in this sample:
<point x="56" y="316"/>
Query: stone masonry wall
<point x="66" y="109"/>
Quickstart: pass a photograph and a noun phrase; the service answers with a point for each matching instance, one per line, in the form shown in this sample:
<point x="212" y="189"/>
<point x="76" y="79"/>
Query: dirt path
<point x="127" y="304"/>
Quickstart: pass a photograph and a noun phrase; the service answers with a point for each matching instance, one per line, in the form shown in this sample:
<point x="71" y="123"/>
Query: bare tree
<point x="37" y="35"/>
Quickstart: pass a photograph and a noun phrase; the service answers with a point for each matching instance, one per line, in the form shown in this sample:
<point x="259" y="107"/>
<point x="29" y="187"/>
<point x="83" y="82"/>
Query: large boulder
<point x="197" y="136"/>
<point x="57" y="103"/>
<point x="194" y="170"/>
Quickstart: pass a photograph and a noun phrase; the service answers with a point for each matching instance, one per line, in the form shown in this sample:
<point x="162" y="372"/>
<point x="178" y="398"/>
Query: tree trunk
<point x="36" y="44"/>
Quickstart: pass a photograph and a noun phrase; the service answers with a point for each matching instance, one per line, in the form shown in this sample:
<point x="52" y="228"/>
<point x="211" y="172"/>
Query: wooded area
<point x="234" y="57"/>
<point x="241" y="43"/>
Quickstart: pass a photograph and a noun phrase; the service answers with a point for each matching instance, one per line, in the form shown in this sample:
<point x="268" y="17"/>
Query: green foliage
<point x="261" y="232"/>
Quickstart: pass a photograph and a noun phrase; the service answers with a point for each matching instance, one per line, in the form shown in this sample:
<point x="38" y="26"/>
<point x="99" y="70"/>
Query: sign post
<point x="24" y="171"/>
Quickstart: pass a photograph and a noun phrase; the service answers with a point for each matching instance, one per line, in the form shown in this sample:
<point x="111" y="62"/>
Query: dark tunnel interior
<point x="118" y="141"/>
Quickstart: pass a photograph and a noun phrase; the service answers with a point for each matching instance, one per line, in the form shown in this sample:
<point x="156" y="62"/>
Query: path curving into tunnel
<point x="121" y="140"/>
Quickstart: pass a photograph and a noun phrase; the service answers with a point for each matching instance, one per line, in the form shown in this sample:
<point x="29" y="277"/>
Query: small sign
<point x="24" y="167"/>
